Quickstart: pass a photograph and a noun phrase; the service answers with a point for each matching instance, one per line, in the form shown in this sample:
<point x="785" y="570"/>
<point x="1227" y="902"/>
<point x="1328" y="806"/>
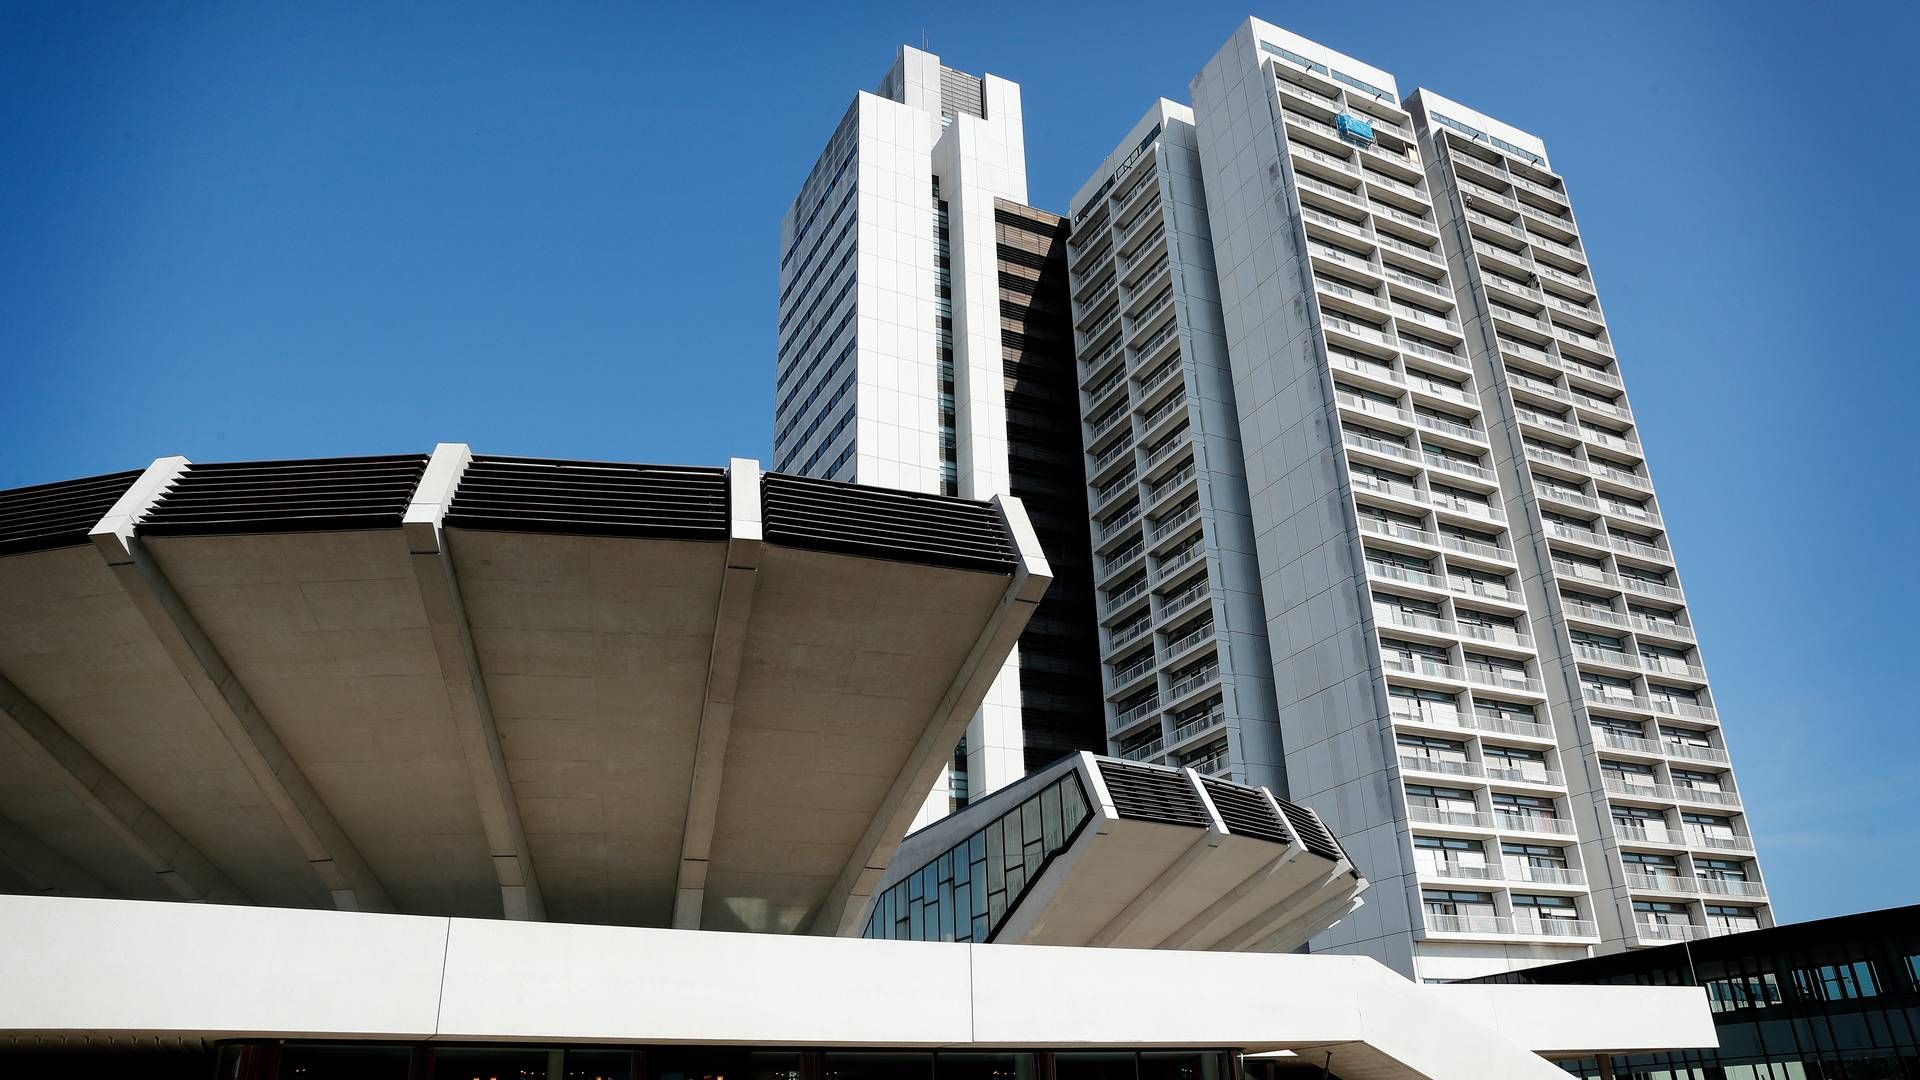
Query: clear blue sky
<point x="243" y="231"/>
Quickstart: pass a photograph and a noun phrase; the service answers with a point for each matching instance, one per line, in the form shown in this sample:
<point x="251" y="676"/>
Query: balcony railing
<point x="1673" y="931"/>
<point x="1191" y="640"/>
<point x="1189" y="683"/>
<point x="1533" y="823"/>
<point x="1433" y="815"/>
<point x="1146" y="751"/>
<point x="1137" y="713"/>
<point x="1190" y="726"/>
<point x="1543" y="875"/>
<point x="1446" y="766"/>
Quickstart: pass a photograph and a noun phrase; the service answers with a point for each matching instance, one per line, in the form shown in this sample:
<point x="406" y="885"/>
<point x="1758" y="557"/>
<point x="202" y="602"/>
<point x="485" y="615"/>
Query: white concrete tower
<point x="1664" y="835"/>
<point x="1411" y="704"/>
<point x="1185" y="664"/>
<point x="888" y="369"/>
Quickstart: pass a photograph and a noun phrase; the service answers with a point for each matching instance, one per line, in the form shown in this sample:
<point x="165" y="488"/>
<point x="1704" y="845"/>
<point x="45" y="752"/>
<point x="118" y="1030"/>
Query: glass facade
<point x="1835" y="999"/>
<point x="965" y="893"/>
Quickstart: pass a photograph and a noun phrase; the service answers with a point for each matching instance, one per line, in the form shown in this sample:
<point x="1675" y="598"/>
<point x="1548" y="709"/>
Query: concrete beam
<point x="46" y="871"/>
<point x="839" y="913"/>
<point x="467" y="699"/>
<point x="327" y="847"/>
<point x="745" y="538"/>
<point x="1204" y="844"/>
<point x="184" y="872"/>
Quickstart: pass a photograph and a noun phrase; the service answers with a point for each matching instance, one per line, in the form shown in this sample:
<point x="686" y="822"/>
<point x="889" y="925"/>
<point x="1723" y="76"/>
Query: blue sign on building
<point x="1353" y="127"/>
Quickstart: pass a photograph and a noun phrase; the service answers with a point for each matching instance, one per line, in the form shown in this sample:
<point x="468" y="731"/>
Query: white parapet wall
<point x="109" y="967"/>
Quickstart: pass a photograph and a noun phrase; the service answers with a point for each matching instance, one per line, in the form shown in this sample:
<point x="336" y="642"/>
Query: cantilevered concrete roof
<point x="481" y="686"/>
<point x="1104" y="852"/>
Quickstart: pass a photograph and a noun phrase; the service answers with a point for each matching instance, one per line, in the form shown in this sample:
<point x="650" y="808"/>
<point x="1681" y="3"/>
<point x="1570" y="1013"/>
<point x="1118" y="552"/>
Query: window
<point x="1743" y="992"/>
<point x="965" y="893"/>
<point x="1660" y="913"/>
<point x="1423" y="706"/>
<point x="1446" y="856"/>
<point x="1539" y="909"/>
<point x="1453" y="902"/>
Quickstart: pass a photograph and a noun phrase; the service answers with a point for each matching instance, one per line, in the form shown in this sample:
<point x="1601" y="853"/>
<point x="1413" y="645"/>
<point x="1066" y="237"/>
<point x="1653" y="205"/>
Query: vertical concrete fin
<point x="186" y="873"/>
<point x="745" y="537"/>
<point x="328" y="850"/>
<point x="467" y="700"/>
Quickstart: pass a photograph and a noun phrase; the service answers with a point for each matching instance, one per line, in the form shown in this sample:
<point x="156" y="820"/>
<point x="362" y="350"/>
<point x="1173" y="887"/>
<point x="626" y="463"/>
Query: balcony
<point x="1189" y="641"/>
<point x="1368" y="444"/>
<point x="1427" y="319"/>
<point x="1533" y="823"/>
<point x="1167" y="526"/>
<point x="1424" y="667"/>
<point x="1405" y="575"/>
<point x="1462" y="546"/>
<point x="1118" y="524"/>
<point x="1457" y="467"/>
<point x="1178" y="603"/>
<point x="1550" y="927"/>
<point x="1117" y="601"/>
<point x="1179" y="441"/>
<point x="1176" y="561"/>
<point x="1343" y="196"/>
<point x="1650" y="933"/>
<point x="1440" y="766"/>
<point x="1352" y="296"/>
<point x="1121" y="636"/>
<point x="1613" y="740"/>
<point x="1378" y="371"/>
<point x="1711" y="886"/>
<point x="1433" y="815"/>
<point x="1122" y="558"/>
<point x="1459" y="505"/>
<point x="1424" y="351"/>
<point x="1128" y="717"/>
<point x="1193" y="683"/>
<point x="1508" y="925"/>
<point x="1132" y="672"/>
<point x="1365" y="333"/>
<point x="1685" y="751"/>
<point x="1499" y="635"/>
<point x="1498" y="679"/>
<point x="1671" y="884"/>
<point x="1370" y="407"/>
<point x="1321" y="221"/>
<point x="1543" y="875"/>
<point x="1651" y="588"/>
<point x="1423" y="254"/>
<point x="1146" y="751"/>
<point x="1396" y="530"/>
<point x="1499" y="725"/>
<point x="1535" y="776"/>
<point x="1207" y="721"/>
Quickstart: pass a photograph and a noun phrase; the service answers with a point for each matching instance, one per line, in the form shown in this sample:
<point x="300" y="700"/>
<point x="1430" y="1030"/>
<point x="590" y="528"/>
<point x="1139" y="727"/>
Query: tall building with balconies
<point x="921" y="345"/>
<point x="1410" y="693"/>
<point x="1185" y="664"/>
<point x="1664" y="838"/>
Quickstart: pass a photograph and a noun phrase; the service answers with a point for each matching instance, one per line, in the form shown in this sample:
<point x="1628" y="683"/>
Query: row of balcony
<point x="1463" y="586"/>
<point x="1670" y="792"/>
<point x="1510" y="925"/>
<point x="1479" y="770"/>
<point x="1538" y="824"/>
<point x="1652" y="705"/>
<point x="1491" y="678"/>
<point x="1669" y="748"/>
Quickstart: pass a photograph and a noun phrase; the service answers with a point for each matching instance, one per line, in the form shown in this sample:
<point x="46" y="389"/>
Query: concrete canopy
<point x="457" y="685"/>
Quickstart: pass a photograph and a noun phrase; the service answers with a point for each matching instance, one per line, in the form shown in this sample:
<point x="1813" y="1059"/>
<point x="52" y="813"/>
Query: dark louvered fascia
<point x="1147" y="794"/>
<point x="591" y="498"/>
<point x="60" y="514"/>
<point x="882" y="523"/>
<point x="312" y="495"/>
<point x="1246" y="811"/>
<point x="1311" y="833"/>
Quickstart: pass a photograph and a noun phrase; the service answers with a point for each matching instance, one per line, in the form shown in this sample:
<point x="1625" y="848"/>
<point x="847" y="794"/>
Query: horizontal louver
<point x="881" y="523"/>
<point x="1246" y="811"/>
<point x="1146" y="794"/>
<point x="58" y="515"/>
<point x="1306" y="825"/>
<point x="314" y="495"/>
<point x="592" y="498"/>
